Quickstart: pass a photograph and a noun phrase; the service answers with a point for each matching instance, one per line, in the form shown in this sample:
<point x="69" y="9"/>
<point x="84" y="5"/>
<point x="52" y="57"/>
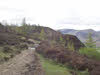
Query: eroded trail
<point x="26" y="63"/>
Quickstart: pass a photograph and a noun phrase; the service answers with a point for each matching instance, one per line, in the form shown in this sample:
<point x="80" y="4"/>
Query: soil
<point x="26" y="63"/>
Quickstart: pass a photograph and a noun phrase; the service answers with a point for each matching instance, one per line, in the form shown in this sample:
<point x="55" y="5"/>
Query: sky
<point x="57" y="14"/>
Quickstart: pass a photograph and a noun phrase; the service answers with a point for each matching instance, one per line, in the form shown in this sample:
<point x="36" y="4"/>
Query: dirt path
<point x="26" y="63"/>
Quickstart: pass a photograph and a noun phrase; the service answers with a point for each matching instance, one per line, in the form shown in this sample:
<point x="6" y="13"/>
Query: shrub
<point x="18" y="51"/>
<point x="22" y="46"/>
<point x="12" y="55"/>
<point x="6" y="58"/>
<point x="7" y="49"/>
<point x="83" y="72"/>
<point x="90" y="52"/>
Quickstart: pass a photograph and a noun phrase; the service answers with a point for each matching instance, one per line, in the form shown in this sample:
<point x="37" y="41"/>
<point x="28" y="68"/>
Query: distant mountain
<point x="83" y="34"/>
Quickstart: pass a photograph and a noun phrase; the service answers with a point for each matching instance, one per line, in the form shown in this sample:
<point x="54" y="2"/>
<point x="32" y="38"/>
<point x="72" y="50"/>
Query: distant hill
<point x="83" y="34"/>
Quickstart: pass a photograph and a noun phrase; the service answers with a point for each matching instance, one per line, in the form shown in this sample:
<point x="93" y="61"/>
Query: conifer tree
<point x="70" y="45"/>
<point x="42" y="34"/>
<point x="62" y="41"/>
<point x="90" y="43"/>
<point x="24" y="27"/>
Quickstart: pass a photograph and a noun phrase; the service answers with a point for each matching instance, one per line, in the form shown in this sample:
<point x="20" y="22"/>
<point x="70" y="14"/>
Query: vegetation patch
<point x="68" y="58"/>
<point x="90" y="50"/>
<point x="52" y="68"/>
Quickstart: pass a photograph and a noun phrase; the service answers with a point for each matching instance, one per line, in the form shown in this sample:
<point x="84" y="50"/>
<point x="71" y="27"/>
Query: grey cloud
<point x="80" y="21"/>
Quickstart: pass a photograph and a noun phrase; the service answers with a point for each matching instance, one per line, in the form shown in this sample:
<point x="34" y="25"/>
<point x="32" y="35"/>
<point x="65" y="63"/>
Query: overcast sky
<point x="57" y="14"/>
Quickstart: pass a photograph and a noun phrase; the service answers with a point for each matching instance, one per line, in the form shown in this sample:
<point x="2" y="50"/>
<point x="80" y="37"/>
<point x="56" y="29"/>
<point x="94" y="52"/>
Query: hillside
<point x="70" y="58"/>
<point x="15" y="58"/>
<point x="11" y="44"/>
<point x="83" y="34"/>
<point x="44" y="33"/>
<point x="14" y="54"/>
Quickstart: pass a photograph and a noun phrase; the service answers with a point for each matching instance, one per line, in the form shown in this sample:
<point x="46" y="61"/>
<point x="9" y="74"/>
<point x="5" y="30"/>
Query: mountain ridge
<point x="83" y="34"/>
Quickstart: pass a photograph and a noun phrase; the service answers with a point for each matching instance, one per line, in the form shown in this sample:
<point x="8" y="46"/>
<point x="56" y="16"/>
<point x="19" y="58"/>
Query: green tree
<point x="18" y="29"/>
<point x="23" y="21"/>
<point x="90" y="43"/>
<point x="90" y="50"/>
<point x="70" y="45"/>
<point x="62" y="41"/>
<point x="24" y="28"/>
<point x="42" y="34"/>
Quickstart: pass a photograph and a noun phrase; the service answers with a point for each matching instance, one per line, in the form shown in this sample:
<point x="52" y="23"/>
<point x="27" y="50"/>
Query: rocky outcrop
<point x="26" y="63"/>
<point x="77" y="44"/>
<point x="54" y="36"/>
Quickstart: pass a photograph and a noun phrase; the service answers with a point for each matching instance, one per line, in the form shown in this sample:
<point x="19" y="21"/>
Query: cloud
<point x="53" y="13"/>
<point x="78" y="27"/>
